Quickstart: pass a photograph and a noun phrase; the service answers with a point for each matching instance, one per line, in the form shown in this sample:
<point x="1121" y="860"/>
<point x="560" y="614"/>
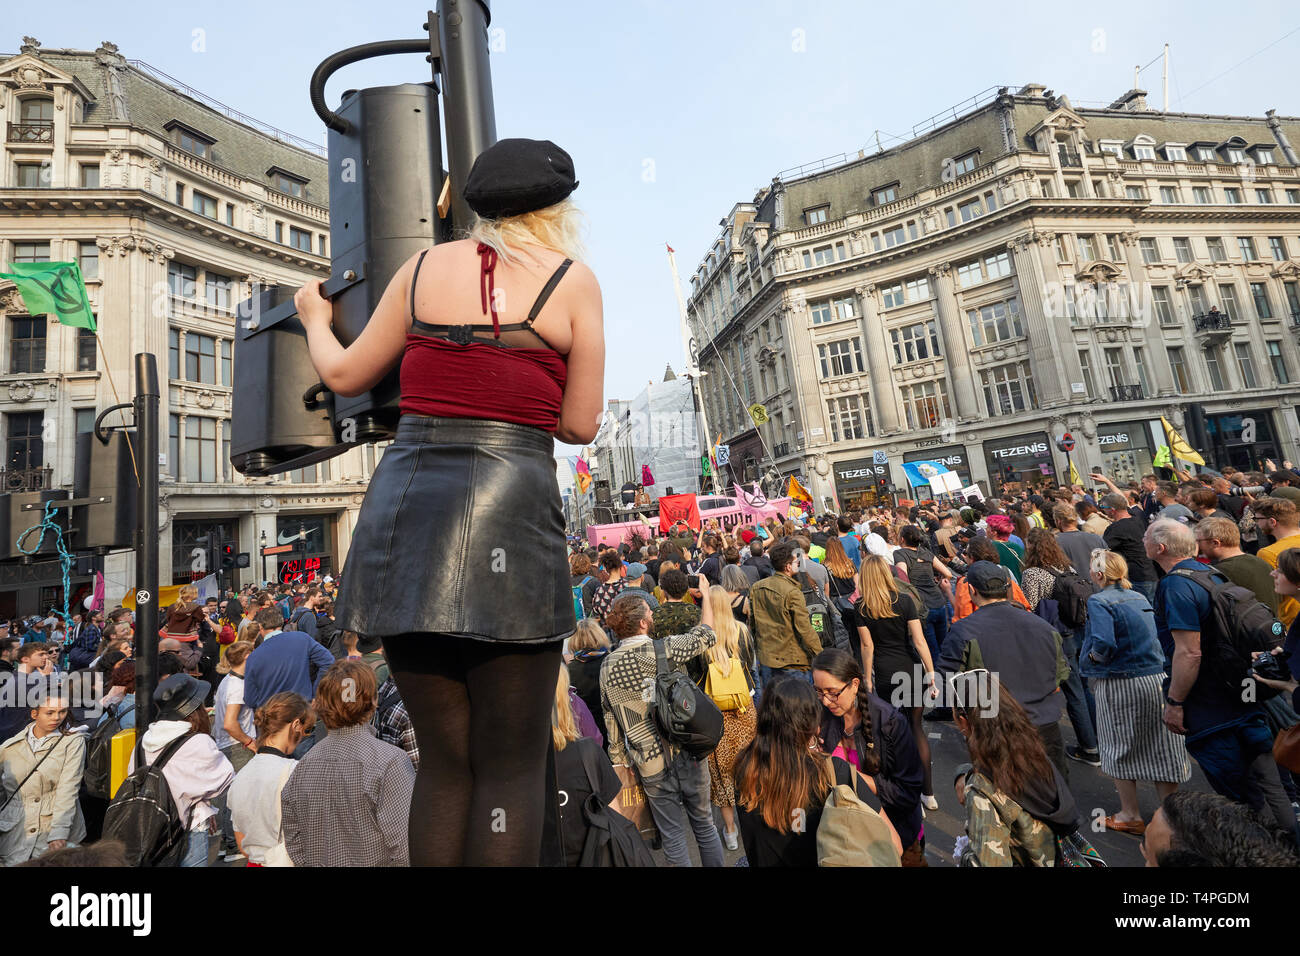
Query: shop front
<point x="196" y="543"/>
<point x="1021" y="463"/>
<point x="1127" y="451"/>
<point x="858" y="484"/>
<point x="952" y="457"/>
<point x="312" y="543"/>
<point x="1242" y="439"/>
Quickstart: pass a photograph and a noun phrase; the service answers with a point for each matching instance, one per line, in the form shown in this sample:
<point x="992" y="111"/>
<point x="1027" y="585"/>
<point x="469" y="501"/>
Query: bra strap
<point x="487" y="283"/>
<point x="547" y="289"/>
<point x="416" y="278"/>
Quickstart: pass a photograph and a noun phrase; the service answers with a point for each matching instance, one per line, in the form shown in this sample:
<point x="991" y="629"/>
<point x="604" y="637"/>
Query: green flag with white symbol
<point x="53" y="288"/>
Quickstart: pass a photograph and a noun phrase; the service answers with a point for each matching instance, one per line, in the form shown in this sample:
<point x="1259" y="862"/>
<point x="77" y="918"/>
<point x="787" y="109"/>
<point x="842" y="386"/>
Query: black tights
<point x="913" y="714"/>
<point x="481" y="712"/>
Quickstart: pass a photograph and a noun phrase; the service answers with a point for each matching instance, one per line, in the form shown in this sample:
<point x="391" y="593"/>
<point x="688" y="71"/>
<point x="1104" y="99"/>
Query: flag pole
<point x="109" y="375"/>
<point x="692" y="366"/>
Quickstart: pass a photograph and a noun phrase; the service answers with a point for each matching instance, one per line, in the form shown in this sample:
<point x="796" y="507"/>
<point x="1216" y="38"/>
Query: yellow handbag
<point x="729" y="691"/>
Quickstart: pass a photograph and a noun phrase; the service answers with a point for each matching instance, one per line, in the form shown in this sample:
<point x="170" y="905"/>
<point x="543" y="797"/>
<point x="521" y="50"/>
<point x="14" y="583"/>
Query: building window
<point x="1140" y="361"/>
<point x="842" y="357"/>
<point x="1008" y="389"/>
<point x="1246" y="364"/>
<point x="970" y="210"/>
<point x="965" y="164"/>
<point x="1183" y="248"/>
<point x="26" y="447"/>
<point x="173" y="354"/>
<point x="88" y="259"/>
<point x="1259" y="294"/>
<point x="1216" y="373"/>
<point x="918" y="290"/>
<point x="279" y="233"/>
<point x="300" y="239"/>
<point x="895" y="237"/>
<point x="1277" y="246"/>
<point x="1247" y="246"/>
<point x="1196" y="294"/>
<point x="182" y="280"/>
<point x="885" y="194"/>
<point x="995" y="322"/>
<point x="180" y="194"/>
<point x="1264" y="157"/>
<point x="1150" y="251"/>
<point x="913" y="343"/>
<point x="1201" y="195"/>
<point x="89" y="177"/>
<point x="1073" y="189"/>
<point x="1115" y="148"/>
<point x="1228" y="297"/>
<point x="1141" y="151"/>
<point x="832" y="310"/>
<point x="1085" y="368"/>
<point x="1178" y="364"/>
<point x="86" y="358"/>
<point x="1087" y="248"/>
<point x="84" y="419"/>
<point x="1278" y="362"/>
<point x="227" y="368"/>
<point x="892" y="295"/>
<point x="1214" y="245"/>
<point x="816" y="216"/>
<point x="203" y="204"/>
<point x="1163" y="304"/>
<point x="1232" y="195"/>
<point x="1205" y="154"/>
<point x="1175" y="154"/>
<point x="847" y="419"/>
<point x="1264" y="196"/>
<point x="31" y="252"/>
<point x="1169" y="194"/>
<point x="320" y="249"/>
<point x="200" y="358"/>
<point x="1236" y="155"/>
<point x="1062" y="251"/>
<point x="36" y="111"/>
<point x="1292" y="298"/>
<point x="1293" y="196"/>
<point x="1113" y="248"/>
<point x="1134" y="192"/>
<point x="1114" y="367"/>
<point x="27" y="343"/>
<point x="200" y="449"/>
<point x="33" y="175"/>
<point x="926" y="404"/>
<point x="996" y="266"/>
<point x="192" y="143"/>
<point x="287" y="185"/>
<point x="173" y="445"/>
<point x="217" y="289"/>
<point x="230" y="214"/>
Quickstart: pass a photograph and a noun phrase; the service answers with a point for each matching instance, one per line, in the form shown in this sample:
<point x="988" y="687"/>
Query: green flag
<point x="53" y="288"/>
<point x="704" y="462"/>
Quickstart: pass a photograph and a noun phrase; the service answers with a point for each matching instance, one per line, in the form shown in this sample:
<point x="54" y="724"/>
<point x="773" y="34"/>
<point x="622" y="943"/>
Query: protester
<point x="676" y="784"/>
<point x="361" y="785"/>
<point x="981" y="549"/>
<point x="1010" y="555"/>
<point x="590" y="647"/>
<point x="1124" y="664"/>
<point x="46" y="758"/>
<point x="233" y="730"/>
<point x="783" y="778"/>
<point x="780" y="623"/>
<point x="1280" y="520"/>
<point x="1219" y="540"/>
<point x="255" y="795"/>
<point x="878" y="741"/>
<point x="737" y="583"/>
<point x="1207" y="830"/>
<point x="197" y="772"/>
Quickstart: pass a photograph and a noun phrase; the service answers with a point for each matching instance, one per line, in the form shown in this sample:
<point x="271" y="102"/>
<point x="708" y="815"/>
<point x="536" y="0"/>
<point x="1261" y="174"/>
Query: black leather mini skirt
<point x="462" y="533"/>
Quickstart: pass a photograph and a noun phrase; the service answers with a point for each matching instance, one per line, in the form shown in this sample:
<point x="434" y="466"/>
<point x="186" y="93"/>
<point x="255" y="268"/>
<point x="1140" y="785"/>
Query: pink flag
<point x="97" y="600"/>
<point x="647" y="478"/>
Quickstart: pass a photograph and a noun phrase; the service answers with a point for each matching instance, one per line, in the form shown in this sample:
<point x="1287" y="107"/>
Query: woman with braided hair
<point x="872" y="736"/>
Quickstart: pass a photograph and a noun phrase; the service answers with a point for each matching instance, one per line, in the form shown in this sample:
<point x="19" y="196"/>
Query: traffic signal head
<point x="227" y="556"/>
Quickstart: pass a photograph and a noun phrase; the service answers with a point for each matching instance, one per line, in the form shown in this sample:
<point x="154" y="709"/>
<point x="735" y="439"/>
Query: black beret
<point x="515" y="176"/>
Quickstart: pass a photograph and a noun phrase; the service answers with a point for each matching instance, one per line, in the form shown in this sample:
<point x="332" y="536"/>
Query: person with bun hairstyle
<point x="234" y="729"/>
<point x="500" y="343"/>
<point x="254" y="798"/>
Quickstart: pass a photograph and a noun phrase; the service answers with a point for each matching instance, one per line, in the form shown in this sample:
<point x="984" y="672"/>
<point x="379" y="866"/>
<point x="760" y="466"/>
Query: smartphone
<point x="693" y="581"/>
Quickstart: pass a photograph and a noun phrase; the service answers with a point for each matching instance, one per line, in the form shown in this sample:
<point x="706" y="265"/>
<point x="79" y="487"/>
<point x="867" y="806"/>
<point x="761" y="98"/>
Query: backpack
<point x="1071" y="591"/>
<point x="850" y="833"/>
<point x="578" y="611"/>
<point x="684" y="714"/>
<point x="1243" y="627"/>
<point x="612" y="839"/>
<point x="143" y="815"/>
<point x="298" y="616"/>
<point x="820" y="613"/>
<point x="729" y="691"/>
<point x="99" y="755"/>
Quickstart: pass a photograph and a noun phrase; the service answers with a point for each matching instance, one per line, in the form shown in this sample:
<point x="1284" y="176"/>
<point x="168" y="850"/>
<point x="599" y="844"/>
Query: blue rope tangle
<point x="66" y="558"/>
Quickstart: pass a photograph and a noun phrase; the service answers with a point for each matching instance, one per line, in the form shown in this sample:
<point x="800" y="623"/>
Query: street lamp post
<point x="263" y="557"/>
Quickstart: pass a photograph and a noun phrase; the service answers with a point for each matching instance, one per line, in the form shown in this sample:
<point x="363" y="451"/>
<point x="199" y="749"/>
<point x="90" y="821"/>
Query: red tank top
<point x="448" y="373"/>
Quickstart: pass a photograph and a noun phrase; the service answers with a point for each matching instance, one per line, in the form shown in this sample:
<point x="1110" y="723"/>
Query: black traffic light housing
<point x="227" y="556"/>
<point x="242" y="559"/>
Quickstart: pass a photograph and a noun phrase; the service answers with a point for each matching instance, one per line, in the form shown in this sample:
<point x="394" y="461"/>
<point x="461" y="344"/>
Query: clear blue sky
<point x="714" y="94"/>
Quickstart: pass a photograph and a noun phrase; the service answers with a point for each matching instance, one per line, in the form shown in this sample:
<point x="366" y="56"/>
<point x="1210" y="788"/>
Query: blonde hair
<point x="878" y="588"/>
<point x="588" y="636"/>
<point x="564" y="726"/>
<point x="557" y="227"/>
<point x="1111" y="568"/>
<point x="235" y="655"/>
<point x="188" y="593"/>
<point x="727" y="628"/>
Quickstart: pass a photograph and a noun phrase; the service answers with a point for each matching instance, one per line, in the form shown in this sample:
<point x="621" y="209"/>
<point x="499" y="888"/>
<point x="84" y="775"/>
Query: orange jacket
<point x="963" y="605"/>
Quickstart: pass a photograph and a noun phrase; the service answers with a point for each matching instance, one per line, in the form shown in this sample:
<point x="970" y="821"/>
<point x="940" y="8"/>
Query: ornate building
<point x="1022" y="270"/>
<point x="176" y="208"/>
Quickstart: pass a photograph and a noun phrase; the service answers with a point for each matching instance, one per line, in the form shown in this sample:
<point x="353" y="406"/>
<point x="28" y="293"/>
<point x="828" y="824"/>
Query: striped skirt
<point x="1134" y="742"/>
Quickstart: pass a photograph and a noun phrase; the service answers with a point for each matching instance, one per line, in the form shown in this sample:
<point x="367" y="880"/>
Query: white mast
<point x="692" y="363"/>
<point x="1165" y="77"/>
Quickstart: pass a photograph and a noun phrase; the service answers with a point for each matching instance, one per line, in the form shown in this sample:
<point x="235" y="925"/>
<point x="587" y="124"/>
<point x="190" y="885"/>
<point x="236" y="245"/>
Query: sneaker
<point x="233" y="856"/>
<point x="929" y="802"/>
<point x="729" y="837"/>
<point x="1091" y="757"/>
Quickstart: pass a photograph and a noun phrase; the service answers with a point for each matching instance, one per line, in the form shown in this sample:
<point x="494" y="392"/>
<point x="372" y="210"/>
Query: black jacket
<point x="762" y="562"/>
<point x="584" y="676"/>
<point x="901" y="774"/>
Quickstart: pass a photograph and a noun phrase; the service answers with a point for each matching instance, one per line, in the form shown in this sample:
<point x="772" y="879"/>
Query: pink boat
<point x="728" y="511"/>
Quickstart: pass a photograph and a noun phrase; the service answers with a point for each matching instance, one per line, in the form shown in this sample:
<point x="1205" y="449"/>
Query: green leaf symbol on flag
<point x="53" y="288"/>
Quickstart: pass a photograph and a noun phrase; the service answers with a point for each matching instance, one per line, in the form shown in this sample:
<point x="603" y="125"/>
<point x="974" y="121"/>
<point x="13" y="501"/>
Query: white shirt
<point x="230" y="692"/>
<point x="254" y="802"/>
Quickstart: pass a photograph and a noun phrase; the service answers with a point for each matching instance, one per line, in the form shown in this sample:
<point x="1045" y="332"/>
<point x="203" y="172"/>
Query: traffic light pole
<point x="146" y="546"/>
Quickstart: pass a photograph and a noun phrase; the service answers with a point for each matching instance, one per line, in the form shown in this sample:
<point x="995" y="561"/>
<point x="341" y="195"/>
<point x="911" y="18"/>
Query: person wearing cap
<point x="198" y="772"/>
<point x="500" y="343"/>
<point x="1017" y="645"/>
<point x="635" y="581"/>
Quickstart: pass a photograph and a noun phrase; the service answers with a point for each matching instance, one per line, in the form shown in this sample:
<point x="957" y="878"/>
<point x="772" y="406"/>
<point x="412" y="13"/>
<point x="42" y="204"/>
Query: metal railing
<point x="31" y="133"/>
<point x="26" y="479"/>
<point x="1211" y="322"/>
<point x="1126" y="393"/>
<point x="781" y="450"/>
<point x="1294" y="322"/>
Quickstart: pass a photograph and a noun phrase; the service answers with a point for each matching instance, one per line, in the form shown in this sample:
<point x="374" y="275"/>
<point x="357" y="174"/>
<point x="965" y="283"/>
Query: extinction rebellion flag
<point x="53" y="288"/>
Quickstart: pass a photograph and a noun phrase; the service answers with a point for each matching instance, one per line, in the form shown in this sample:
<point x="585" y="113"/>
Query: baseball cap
<point x="1286" y="491"/>
<point x="988" y="578"/>
<point x="636" y="569"/>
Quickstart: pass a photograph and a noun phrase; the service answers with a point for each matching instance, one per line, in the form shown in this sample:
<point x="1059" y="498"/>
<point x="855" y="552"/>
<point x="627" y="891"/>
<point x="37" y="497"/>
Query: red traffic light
<point x="227" y="549"/>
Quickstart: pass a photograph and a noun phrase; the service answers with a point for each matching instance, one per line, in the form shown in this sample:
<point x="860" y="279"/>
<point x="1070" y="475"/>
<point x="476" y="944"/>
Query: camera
<point x="1270" y="666"/>
<point x="1241" y="490"/>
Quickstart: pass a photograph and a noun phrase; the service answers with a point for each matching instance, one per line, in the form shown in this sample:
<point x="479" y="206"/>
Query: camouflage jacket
<point x="1001" y="832"/>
